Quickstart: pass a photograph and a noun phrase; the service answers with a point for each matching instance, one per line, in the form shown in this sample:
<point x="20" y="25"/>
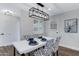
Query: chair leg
<point x="53" y="54"/>
<point x="57" y="53"/>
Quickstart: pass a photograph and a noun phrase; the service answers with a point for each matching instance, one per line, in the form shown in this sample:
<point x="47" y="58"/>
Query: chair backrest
<point x="49" y="44"/>
<point x="49" y="47"/>
<point x="56" y="44"/>
<point x="47" y="51"/>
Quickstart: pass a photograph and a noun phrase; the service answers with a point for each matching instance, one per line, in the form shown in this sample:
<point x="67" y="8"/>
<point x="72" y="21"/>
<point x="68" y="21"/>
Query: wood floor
<point x="63" y="51"/>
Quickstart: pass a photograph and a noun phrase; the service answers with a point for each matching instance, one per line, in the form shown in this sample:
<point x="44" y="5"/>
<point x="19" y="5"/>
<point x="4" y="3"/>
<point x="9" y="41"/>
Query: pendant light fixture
<point x="35" y="12"/>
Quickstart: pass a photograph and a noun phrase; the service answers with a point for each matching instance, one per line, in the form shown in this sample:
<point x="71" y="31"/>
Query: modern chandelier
<point x="35" y="12"/>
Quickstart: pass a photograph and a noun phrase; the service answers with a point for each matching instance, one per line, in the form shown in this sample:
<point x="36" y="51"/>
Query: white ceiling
<point x="65" y="7"/>
<point x="57" y="8"/>
<point x="50" y="8"/>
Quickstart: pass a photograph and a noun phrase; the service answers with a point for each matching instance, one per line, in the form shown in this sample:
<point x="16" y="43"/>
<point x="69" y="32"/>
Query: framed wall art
<point x="53" y="25"/>
<point x="71" y="25"/>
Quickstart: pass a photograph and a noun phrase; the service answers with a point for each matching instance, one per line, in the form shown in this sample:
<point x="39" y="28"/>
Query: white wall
<point x="9" y="26"/>
<point x="70" y="40"/>
<point x="50" y="32"/>
<point x="26" y="23"/>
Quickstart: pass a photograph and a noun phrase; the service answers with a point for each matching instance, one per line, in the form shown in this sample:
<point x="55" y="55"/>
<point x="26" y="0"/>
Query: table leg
<point x="14" y="51"/>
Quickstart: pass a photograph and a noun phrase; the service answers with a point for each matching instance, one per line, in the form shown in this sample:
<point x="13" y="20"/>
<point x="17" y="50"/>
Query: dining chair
<point x="47" y="50"/>
<point x="56" y="45"/>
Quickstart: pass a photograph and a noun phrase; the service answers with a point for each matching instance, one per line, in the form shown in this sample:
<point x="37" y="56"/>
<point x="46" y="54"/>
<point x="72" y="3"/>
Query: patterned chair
<point x="56" y="45"/>
<point x="47" y="50"/>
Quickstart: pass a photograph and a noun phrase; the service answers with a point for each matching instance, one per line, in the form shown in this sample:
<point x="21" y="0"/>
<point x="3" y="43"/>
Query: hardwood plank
<point x="6" y="51"/>
<point x="63" y="51"/>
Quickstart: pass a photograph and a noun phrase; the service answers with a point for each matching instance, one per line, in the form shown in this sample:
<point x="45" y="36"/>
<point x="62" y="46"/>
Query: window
<point x="38" y="26"/>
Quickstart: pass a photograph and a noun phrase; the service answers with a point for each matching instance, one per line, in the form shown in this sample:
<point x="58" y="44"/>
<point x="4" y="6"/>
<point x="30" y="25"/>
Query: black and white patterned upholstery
<point x="50" y="48"/>
<point x="56" y="44"/>
<point x="47" y="51"/>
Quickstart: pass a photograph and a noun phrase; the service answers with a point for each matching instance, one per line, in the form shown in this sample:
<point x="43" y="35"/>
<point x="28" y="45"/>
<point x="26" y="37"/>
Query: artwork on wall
<point x="71" y="25"/>
<point x="53" y="25"/>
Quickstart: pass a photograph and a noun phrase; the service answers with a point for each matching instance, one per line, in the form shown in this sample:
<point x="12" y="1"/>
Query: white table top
<point x="23" y="47"/>
<point x="49" y="38"/>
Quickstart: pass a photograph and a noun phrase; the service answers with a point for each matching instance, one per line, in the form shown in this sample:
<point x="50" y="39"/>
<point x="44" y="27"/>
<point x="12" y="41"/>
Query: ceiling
<point x="50" y="8"/>
<point x="58" y="8"/>
<point x="65" y="7"/>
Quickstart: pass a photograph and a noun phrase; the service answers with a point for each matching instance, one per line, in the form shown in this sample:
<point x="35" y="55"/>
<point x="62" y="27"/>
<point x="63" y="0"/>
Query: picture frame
<point x="71" y="25"/>
<point x="53" y="25"/>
